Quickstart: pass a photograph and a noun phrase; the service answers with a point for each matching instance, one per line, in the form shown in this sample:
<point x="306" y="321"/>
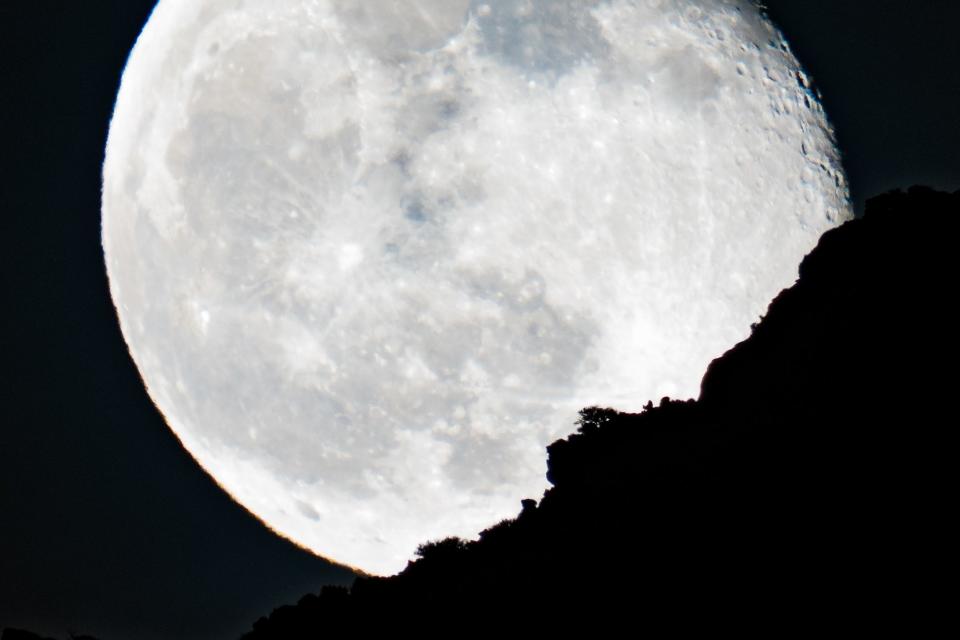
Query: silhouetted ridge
<point x="810" y="486"/>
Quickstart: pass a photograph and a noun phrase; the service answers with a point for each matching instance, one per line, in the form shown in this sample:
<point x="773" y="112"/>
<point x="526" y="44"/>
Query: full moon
<point x="370" y="258"/>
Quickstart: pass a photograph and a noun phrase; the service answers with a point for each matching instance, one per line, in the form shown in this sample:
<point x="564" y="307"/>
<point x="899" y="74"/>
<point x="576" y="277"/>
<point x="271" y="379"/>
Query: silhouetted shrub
<point x="441" y="549"/>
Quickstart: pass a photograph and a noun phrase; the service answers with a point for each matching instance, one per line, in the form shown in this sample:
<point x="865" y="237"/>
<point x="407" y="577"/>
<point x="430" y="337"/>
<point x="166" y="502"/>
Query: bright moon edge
<point x="685" y="129"/>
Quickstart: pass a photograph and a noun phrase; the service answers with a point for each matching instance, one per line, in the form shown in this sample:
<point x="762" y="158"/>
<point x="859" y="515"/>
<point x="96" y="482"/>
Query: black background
<point x="106" y="525"/>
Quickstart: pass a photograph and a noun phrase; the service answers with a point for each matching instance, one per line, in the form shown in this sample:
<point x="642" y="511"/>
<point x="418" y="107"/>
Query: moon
<point x="370" y="258"/>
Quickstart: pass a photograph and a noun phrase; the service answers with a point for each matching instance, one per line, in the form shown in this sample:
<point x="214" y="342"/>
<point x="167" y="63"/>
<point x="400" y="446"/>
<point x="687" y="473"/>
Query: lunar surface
<point x="370" y="258"/>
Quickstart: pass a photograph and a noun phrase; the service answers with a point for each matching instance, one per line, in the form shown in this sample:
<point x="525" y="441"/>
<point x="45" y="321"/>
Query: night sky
<point x="106" y="525"/>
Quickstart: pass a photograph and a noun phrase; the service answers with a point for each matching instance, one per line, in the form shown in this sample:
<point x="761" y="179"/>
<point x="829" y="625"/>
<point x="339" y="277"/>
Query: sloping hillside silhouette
<point x="808" y="488"/>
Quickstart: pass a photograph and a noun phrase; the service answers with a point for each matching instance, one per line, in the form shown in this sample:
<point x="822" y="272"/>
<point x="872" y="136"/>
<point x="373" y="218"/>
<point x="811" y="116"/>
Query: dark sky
<point x="106" y="525"/>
